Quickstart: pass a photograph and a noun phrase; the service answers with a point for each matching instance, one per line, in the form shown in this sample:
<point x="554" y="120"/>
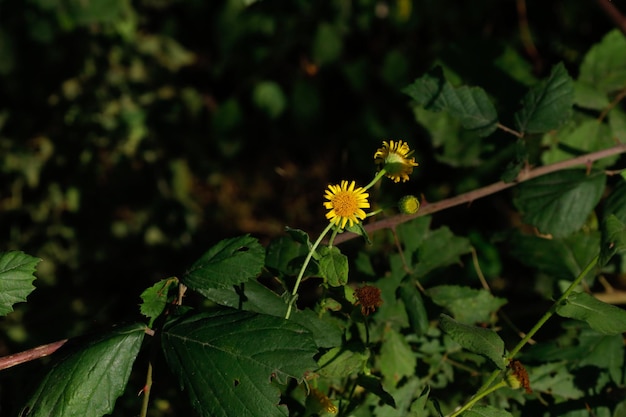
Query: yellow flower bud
<point x="409" y="204"/>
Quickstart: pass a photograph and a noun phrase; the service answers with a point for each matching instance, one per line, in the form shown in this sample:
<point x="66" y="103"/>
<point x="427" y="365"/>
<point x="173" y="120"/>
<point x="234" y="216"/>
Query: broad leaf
<point x="285" y="256"/>
<point x="439" y="249"/>
<point x="230" y="262"/>
<point x="226" y="361"/>
<point x="602" y="317"/>
<point x="467" y="305"/>
<point x="415" y="308"/>
<point x="16" y="278"/>
<point x="255" y="297"/>
<point x="343" y="361"/>
<point x="548" y="104"/>
<point x="616" y="202"/>
<point x="604" y="66"/>
<point x="333" y="266"/>
<point x="396" y="359"/>
<point x="486" y="411"/>
<point x="484" y="342"/>
<point x="559" y="203"/>
<point x="87" y="381"/>
<point x="470" y="105"/>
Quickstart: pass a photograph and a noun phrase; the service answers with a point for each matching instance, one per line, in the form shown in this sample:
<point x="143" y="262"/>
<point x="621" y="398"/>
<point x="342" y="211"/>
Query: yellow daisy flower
<point x="346" y="203"/>
<point x="394" y="158"/>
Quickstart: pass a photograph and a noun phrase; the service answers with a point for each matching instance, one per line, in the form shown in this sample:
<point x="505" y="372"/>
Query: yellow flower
<point x="394" y="158"/>
<point x="346" y="204"/>
<point x="409" y="204"/>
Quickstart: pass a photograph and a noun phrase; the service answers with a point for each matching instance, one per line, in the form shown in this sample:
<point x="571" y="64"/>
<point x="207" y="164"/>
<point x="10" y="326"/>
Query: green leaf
<point x="226" y="360"/>
<point x="414" y="305"/>
<point x="602" y="317"/>
<point x="230" y="262"/>
<point x="269" y="97"/>
<point x="484" y="342"/>
<point x="439" y="249"/>
<point x="470" y="105"/>
<point x="256" y="297"/>
<point x="16" y="278"/>
<point x="333" y="266"/>
<point x="343" y="361"/>
<point x="327" y="44"/>
<point x="556" y="379"/>
<point x="578" y="138"/>
<point x="486" y="411"/>
<point x="467" y="305"/>
<point x="616" y="202"/>
<point x="604" y="65"/>
<point x="285" y="256"/>
<point x="613" y="238"/>
<point x="548" y="104"/>
<point x="373" y="385"/>
<point x="87" y="381"/>
<point x="396" y="359"/>
<point x="155" y="298"/>
<point x="559" y="203"/>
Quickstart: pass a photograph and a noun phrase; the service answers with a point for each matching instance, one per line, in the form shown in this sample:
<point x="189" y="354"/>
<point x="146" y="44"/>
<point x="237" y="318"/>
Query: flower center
<point x="345" y="204"/>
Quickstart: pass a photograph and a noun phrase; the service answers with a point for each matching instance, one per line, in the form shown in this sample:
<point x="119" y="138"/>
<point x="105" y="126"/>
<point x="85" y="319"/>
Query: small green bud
<point x="409" y="204"/>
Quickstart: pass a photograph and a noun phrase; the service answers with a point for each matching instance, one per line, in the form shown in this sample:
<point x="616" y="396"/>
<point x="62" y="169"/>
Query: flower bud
<point x="409" y="204"/>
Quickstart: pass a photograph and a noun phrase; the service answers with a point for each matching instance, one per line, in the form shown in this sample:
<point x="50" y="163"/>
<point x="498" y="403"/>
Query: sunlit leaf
<point x="602" y="317"/>
<point x="484" y="342"/>
<point x="559" y="203"/>
<point x="87" y="381"/>
<point x="16" y="278"/>
<point x="470" y="105"/>
<point x="548" y="104"/>
<point x="229" y="262"/>
<point x="604" y="65"/>
<point x="467" y="305"/>
<point x="226" y="361"/>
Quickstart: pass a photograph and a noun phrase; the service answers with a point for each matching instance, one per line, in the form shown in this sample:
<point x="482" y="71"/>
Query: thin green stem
<point x="146" y="391"/>
<point x="477" y="398"/>
<point x="304" y="265"/>
<point x="554" y="307"/>
<point x="378" y="176"/>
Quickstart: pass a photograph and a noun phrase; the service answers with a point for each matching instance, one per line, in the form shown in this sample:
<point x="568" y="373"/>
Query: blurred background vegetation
<point x="135" y="134"/>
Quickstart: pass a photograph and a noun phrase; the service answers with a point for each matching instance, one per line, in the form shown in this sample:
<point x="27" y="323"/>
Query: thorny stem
<point x="470" y="196"/>
<point x="304" y="265"/>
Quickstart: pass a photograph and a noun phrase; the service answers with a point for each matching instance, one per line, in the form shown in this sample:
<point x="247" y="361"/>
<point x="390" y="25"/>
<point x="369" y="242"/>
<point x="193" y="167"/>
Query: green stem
<point x="477" y="398"/>
<point x="554" y="307"/>
<point x="146" y="391"/>
<point x="304" y="265"/>
<point x="378" y="176"/>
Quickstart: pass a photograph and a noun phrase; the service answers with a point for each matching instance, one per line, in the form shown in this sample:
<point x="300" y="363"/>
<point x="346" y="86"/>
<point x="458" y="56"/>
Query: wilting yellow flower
<point x="346" y="204"/>
<point x="409" y="204"/>
<point x="395" y="159"/>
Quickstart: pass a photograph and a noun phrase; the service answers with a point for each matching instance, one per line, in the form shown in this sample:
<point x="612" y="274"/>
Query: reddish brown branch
<point x="30" y="355"/>
<point x="614" y="14"/>
<point x="468" y="197"/>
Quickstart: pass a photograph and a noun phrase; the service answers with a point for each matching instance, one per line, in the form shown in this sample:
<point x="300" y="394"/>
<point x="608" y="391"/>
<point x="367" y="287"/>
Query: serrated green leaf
<point x="229" y="262"/>
<point x="604" y="65"/>
<point x="484" y="342"/>
<point x="439" y="249"/>
<point x="470" y="105"/>
<point x="16" y="278"/>
<point x="414" y="306"/>
<point x="556" y="379"/>
<point x="396" y="359"/>
<point x="256" y="297"/>
<point x="155" y="299"/>
<point x="602" y="317"/>
<point x="486" y="411"/>
<point x="559" y="203"/>
<point x="341" y="361"/>
<point x="548" y="104"/>
<point x="333" y="266"/>
<point x="613" y="238"/>
<point x="87" y="381"/>
<point x="467" y="305"/>
<point x="226" y="360"/>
